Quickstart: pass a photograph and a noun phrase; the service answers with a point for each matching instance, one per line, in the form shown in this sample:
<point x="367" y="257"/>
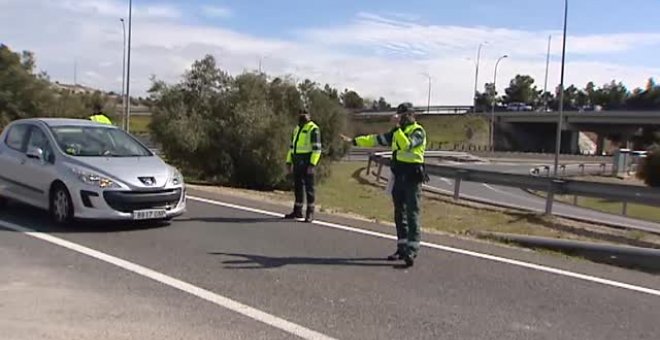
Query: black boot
<point x="309" y="218"/>
<point x="398" y="255"/>
<point x="409" y="259"/>
<point x="295" y="215"/>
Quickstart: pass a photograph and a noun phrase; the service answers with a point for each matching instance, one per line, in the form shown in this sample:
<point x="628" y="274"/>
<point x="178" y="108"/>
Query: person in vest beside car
<point x="407" y="140"/>
<point x="303" y="157"/>
<point x="98" y="115"/>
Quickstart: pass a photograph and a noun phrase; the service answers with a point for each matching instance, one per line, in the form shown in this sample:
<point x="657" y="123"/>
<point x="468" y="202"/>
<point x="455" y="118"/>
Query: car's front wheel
<point x="61" y="205"/>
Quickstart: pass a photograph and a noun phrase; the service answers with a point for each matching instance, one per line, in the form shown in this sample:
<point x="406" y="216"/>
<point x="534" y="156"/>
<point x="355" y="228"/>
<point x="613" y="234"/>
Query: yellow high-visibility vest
<point x="301" y="143"/>
<point x="100" y="118"/>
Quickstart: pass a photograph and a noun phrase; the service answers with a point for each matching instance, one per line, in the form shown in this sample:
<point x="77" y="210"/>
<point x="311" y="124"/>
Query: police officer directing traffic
<point x="408" y="142"/>
<point x="98" y="115"/>
<point x="303" y="157"/>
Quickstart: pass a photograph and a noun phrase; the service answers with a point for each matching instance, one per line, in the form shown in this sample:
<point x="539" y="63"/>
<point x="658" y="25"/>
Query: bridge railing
<point x="551" y="186"/>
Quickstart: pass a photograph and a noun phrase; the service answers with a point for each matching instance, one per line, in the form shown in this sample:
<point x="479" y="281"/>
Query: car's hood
<point x="130" y="170"/>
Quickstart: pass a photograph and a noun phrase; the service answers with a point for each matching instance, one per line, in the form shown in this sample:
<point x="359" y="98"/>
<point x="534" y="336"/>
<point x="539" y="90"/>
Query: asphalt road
<point x="325" y="278"/>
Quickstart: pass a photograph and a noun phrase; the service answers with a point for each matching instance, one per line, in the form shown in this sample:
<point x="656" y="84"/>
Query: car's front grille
<point x="129" y="201"/>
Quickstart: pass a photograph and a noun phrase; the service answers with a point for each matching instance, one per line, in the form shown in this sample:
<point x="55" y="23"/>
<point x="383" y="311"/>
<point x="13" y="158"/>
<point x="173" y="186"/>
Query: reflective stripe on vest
<point x="302" y="140"/>
<point x="414" y="155"/>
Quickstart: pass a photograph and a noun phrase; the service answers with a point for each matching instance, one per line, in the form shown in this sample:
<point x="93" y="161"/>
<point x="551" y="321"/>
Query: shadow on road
<point x="249" y="261"/>
<point x="38" y="220"/>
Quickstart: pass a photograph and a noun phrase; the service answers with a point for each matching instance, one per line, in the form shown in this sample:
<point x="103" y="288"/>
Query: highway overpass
<point x="532" y="131"/>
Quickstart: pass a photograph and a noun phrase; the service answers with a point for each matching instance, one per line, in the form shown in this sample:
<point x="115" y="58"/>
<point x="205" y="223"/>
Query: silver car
<point x="81" y="170"/>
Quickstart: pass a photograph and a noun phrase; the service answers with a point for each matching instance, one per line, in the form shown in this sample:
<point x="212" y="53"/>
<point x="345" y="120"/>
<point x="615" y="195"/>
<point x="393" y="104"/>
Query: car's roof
<point x="53" y="122"/>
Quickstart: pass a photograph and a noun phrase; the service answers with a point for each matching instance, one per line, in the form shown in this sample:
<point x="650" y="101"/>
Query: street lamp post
<point x="547" y="68"/>
<point x="561" y="92"/>
<point x="551" y="194"/>
<point x="476" y="75"/>
<point x="127" y="107"/>
<point x="123" y="75"/>
<point x="428" y="103"/>
<point x="492" y="105"/>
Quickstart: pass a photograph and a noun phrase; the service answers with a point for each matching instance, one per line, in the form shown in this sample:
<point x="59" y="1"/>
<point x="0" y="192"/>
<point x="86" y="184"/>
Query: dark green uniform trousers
<point x="406" y="195"/>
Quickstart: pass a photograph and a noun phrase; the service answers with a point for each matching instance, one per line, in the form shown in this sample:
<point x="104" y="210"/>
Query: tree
<point x="352" y="100"/>
<point x="649" y="170"/>
<point x="614" y="95"/>
<point x="521" y="90"/>
<point x="236" y="131"/>
<point x="383" y="105"/>
<point x="25" y="93"/>
<point x="487" y="98"/>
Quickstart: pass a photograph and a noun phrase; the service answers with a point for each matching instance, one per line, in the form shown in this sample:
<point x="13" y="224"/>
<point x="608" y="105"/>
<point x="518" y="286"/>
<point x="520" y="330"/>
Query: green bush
<point x="649" y="170"/>
<point x="236" y="131"/>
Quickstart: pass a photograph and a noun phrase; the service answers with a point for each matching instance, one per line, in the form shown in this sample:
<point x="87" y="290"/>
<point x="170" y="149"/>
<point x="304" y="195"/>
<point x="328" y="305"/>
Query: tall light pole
<point x="561" y="93"/>
<point x="428" y="103"/>
<point x="551" y="193"/>
<point x="476" y="75"/>
<point x="123" y="75"/>
<point x="492" y="105"/>
<point x="547" y="68"/>
<point x="127" y="107"/>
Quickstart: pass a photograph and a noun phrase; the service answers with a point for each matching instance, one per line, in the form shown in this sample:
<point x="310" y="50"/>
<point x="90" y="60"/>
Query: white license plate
<point x="149" y="214"/>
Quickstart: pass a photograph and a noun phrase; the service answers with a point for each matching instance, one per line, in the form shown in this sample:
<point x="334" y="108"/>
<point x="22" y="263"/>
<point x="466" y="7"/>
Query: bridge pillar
<point x="574" y="142"/>
<point x="570" y="142"/>
<point x="600" y="144"/>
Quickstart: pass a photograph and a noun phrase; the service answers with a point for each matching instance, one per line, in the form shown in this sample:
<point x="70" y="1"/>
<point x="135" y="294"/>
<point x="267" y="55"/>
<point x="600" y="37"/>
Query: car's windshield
<point x="96" y="141"/>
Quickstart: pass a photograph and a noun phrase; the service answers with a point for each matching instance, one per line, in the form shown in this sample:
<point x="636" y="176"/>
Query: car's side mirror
<point x="35" y="153"/>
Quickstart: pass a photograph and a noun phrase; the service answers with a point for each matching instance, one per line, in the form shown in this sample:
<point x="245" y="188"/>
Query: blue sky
<point x="356" y="44"/>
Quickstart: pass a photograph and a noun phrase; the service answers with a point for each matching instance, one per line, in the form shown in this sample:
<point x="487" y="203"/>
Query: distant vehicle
<point x="519" y="107"/>
<point x="82" y="170"/>
<point x="596" y="108"/>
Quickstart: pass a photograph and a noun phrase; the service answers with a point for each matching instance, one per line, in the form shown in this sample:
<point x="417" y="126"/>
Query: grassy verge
<point x="140" y="124"/>
<point x="348" y="191"/>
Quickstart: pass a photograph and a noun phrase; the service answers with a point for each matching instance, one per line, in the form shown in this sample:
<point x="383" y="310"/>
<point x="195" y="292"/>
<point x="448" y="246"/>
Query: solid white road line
<point x="204" y="294"/>
<point x="518" y="263"/>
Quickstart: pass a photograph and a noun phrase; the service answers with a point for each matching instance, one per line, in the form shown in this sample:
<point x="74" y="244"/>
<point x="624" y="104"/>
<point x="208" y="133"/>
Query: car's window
<point x="95" y="141"/>
<point x="16" y="137"/>
<point x="38" y="139"/>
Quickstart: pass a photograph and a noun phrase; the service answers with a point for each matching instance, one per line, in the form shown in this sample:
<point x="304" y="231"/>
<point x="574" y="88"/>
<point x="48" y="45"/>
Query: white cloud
<point x="375" y="55"/>
<point x="217" y="12"/>
<point x="409" y="37"/>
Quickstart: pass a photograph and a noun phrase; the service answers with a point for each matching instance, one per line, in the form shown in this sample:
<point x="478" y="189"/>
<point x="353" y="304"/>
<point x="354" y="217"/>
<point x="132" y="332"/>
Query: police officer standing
<point x="98" y="115"/>
<point x="407" y="139"/>
<point x="303" y="157"/>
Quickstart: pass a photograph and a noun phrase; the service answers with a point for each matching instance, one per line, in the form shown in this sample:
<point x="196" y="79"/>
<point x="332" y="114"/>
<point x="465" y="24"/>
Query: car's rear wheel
<point x="61" y="205"/>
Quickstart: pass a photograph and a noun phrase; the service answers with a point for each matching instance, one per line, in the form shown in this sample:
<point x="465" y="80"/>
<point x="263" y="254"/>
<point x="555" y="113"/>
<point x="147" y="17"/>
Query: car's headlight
<point x="94" y="179"/>
<point x="176" y="178"/>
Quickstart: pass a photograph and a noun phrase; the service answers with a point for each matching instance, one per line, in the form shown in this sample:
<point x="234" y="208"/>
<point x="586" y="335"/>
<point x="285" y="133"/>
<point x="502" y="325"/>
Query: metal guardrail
<point x="553" y="186"/>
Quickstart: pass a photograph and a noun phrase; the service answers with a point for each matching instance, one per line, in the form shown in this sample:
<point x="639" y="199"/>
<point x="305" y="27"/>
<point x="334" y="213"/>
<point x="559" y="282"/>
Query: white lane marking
<point x="516" y="196"/>
<point x="204" y="294"/>
<point x="446" y="180"/>
<point x="518" y="263"/>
